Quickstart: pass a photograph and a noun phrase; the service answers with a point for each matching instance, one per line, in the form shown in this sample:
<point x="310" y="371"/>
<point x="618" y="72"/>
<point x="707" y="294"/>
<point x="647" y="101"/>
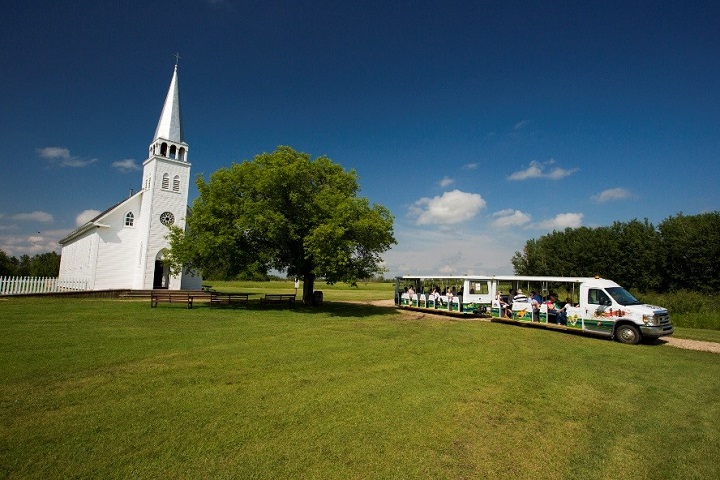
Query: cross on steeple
<point x="177" y="58"/>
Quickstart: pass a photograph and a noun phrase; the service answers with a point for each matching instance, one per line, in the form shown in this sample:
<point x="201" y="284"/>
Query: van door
<point x="596" y="318"/>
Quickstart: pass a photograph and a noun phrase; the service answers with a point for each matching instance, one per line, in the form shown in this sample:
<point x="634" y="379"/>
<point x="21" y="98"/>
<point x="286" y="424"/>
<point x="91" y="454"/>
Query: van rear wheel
<point x="628" y="334"/>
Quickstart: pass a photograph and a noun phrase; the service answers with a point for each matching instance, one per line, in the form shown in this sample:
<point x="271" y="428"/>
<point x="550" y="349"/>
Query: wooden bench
<point x="229" y="299"/>
<point x="179" y="296"/>
<point x="273" y="298"/>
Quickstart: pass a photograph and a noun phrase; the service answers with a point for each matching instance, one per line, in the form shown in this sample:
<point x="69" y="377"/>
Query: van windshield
<point x="622" y="296"/>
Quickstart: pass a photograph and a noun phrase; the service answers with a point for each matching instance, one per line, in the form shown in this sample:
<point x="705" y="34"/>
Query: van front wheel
<point x="628" y="334"/>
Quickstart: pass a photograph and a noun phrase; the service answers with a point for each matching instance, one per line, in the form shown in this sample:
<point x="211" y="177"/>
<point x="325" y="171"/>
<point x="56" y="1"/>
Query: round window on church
<point x="167" y="218"/>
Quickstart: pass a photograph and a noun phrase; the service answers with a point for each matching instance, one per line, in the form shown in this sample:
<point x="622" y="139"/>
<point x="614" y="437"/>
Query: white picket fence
<point x="25" y="285"/>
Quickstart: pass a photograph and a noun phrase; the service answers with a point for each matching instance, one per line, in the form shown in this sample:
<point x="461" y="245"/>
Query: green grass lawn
<point x="115" y="389"/>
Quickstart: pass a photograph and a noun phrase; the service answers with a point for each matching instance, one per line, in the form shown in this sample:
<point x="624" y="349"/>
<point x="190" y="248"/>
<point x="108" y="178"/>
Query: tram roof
<point x="501" y="278"/>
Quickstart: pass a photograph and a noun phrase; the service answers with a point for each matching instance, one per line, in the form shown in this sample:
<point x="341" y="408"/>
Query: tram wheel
<point x="628" y="334"/>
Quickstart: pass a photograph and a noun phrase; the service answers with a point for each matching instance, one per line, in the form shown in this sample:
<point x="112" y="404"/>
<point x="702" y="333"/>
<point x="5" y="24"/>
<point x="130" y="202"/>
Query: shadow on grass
<point x="334" y="309"/>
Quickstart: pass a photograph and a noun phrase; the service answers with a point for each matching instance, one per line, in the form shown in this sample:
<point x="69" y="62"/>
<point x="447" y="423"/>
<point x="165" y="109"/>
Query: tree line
<point x="682" y="252"/>
<point x="40" y="265"/>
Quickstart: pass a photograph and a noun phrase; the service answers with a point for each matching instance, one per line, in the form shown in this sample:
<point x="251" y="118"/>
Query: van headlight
<point x="649" y="320"/>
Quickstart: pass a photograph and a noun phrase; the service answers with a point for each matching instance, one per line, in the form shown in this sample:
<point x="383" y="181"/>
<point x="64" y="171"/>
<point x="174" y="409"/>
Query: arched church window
<point x="176" y="183"/>
<point x="166" y="182"/>
<point x="173" y="150"/>
<point x="129" y="219"/>
<point x="181" y="154"/>
<point x="163" y="149"/>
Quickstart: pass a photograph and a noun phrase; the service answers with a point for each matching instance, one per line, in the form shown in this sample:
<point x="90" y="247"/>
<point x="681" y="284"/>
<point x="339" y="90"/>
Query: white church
<point x="124" y="246"/>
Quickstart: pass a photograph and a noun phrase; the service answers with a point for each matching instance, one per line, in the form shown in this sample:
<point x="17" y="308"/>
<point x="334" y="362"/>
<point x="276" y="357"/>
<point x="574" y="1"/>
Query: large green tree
<point x="691" y="247"/>
<point x="283" y="211"/>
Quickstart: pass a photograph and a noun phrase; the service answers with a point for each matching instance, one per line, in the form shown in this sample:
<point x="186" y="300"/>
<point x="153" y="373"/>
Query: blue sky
<point x="479" y="124"/>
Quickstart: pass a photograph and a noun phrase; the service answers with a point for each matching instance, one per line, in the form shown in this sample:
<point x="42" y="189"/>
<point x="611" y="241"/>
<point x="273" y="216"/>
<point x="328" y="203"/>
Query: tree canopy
<point x="283" y="211"/>
<point x="683" y="252"/>
<point x="691" y="251"/>
<point x="40" y="265"/>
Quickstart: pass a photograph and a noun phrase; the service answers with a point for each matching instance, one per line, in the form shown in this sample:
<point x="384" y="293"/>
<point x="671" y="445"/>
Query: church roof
<point x="170" y="125"/>
<point x="95" y="222"/>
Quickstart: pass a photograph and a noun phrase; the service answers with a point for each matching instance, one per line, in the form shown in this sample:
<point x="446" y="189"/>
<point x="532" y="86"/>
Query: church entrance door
<point x="158" y="275"/>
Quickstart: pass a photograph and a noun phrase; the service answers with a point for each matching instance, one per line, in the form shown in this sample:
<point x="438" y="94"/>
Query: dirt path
<point x="713" y="347"/>
<point x="691" y="344"/>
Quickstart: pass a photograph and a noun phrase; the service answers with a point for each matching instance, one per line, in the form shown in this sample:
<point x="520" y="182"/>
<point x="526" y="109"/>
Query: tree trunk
<point x="308" y="297"/>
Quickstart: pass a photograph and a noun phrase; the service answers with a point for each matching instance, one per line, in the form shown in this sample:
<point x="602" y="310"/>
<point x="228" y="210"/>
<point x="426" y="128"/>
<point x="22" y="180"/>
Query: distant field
<point x="115" y="389"/>
<point x="338" y="292"/>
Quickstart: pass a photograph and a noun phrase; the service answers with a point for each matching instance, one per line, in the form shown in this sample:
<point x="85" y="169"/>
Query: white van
<point x="597" y="306"/>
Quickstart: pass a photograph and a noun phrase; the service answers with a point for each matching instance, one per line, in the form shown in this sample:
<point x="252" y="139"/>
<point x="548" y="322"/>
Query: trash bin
<point x="317" y="297"/>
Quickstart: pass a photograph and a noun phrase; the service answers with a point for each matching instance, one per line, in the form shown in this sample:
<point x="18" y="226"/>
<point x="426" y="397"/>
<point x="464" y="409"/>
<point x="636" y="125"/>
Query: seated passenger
<point x="436" y="296"/>
<point x="411" y="293"/>
<point x="520" y="296"/>
<point x="535" y="301"/>
<point x="556" y="310"/>
<point x="504" y="306"/>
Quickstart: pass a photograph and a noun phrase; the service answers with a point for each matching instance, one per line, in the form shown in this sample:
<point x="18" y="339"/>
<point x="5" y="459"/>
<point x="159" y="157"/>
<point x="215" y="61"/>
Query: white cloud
<point x="85" y="216"/>
<point x="533" y="171"/>
<point x="502" y="213"/>
<point x="561" y="221"/>
<point x="558" y="173"/>
<point x="17" y="245"/>
<point x="446" y="182"/>
<point x="54" y="152"/>
<point x="521" y="124"/>
<point x="540" y="170"/>
<point x="612" y="194"/>
<point x="510" y="218"/>
<point x="76" y="162"/>
<point x="452" y="207"/>
<point x="62" y="157"/>
<point x="36" y="216"/>
<point x="126" y="165"/>
<point x="471" y="166"/>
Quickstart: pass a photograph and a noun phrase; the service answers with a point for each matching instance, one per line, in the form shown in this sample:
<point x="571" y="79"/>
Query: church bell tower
<point x="165" y="186"/>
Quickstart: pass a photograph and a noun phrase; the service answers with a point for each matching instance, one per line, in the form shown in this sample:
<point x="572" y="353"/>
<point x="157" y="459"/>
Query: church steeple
<point x="170" y="125"/>
<point x="163" y="203"/>
<point x="169" y="140"/>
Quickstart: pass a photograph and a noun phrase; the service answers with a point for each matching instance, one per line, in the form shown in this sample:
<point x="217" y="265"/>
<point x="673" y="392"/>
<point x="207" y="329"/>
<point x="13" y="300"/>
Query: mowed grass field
<point x="116" y="389"/>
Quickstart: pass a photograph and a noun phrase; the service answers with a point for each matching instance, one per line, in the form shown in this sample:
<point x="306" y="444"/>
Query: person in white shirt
<point x="411" y="293"/>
